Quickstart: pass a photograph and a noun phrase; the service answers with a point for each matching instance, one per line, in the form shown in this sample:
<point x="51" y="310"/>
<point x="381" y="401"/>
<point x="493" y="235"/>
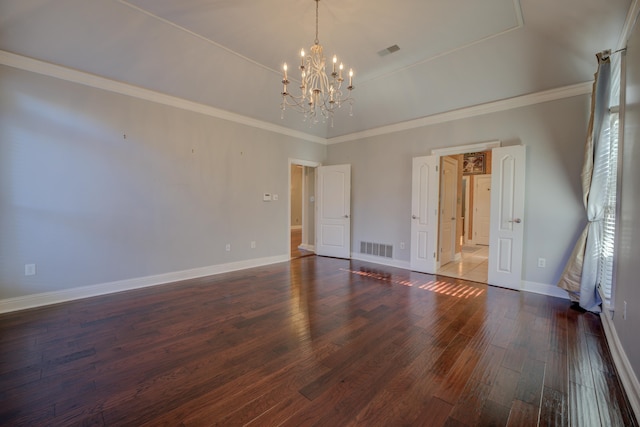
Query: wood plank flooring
<point x="317" y="341"/>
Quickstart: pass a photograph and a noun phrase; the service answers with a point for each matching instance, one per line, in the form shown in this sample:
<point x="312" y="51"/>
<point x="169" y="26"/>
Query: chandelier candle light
<point x="320" y="94"/>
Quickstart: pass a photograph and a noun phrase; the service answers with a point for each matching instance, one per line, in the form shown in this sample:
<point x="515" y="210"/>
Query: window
<point x="609" y="168"/>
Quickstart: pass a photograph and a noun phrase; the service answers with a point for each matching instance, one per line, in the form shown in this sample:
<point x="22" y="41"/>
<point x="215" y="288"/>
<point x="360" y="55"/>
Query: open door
<point x="333" y="224"/>
<point x="424" y="214"/>
<point x="507" y="216"/>
<point x="448" y="209"/>
<point x="482" y="209"/>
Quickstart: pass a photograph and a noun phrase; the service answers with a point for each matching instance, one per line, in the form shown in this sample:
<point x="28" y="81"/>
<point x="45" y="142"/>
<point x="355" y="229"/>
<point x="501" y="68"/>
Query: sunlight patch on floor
<point x="457" y="290"/>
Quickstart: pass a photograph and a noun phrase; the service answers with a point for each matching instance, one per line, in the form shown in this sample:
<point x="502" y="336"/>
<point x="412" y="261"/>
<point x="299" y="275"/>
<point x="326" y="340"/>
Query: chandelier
<point x="320" y="94"/>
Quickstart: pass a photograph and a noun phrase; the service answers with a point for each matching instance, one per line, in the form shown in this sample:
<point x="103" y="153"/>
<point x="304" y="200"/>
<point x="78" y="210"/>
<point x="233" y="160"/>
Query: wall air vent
<point x="390" y="49"/>
<point x="376" y="249"/>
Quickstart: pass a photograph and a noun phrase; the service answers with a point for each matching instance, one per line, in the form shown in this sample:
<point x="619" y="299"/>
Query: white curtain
<point x="580" y="276"/>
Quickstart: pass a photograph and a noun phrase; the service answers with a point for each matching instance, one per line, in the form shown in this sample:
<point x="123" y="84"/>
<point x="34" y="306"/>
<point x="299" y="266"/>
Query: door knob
<point x="517" y="220"/>
<point x="414" y="217"/>
<point x="346" y="216"/>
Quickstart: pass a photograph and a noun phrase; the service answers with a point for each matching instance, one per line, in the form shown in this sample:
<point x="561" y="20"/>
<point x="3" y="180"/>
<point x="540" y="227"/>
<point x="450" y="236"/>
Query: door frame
<point x="465" y="212"/>
<point x="305" y="225"/>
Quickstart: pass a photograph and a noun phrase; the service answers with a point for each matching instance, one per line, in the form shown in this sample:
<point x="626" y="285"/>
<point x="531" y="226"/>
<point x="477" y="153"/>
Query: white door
<point x="333" y="231"/>
<point x="466" y="210"/>
<point x="448" y="208"/>
<point x="481" y="209"/>
<point x="424" y="214"/>
<point x="507" y="216"/>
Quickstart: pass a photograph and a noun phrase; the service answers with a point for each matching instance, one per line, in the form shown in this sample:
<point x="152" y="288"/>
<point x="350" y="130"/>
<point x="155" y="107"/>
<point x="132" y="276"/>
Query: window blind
<point x="610" y="169"/>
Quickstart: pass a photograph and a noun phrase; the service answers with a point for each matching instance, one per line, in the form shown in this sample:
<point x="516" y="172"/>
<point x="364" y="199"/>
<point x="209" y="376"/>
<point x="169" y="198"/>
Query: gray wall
<point x="554" y="133"/>
<point x="628" y="267"/>
<point x="89" y="206"/>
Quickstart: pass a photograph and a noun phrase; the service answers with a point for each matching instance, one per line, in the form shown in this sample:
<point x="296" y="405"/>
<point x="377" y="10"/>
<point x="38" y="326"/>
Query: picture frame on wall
<point x="474" y="163"/>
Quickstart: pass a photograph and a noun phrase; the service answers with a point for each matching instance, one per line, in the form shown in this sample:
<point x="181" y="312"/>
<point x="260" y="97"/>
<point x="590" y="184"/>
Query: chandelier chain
<point x="317" y="41"/>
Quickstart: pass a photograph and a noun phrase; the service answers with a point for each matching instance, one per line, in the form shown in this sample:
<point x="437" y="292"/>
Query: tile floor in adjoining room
<point x="473" y="264"/>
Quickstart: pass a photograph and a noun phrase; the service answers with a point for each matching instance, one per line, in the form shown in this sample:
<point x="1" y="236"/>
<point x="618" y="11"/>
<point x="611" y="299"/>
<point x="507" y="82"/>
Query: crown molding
<point x="468" y="112"/>
<point x="94" y="81"/>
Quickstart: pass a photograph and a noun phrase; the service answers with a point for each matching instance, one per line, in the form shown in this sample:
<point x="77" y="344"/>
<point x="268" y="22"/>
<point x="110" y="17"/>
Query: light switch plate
<point x="29" y="269"/>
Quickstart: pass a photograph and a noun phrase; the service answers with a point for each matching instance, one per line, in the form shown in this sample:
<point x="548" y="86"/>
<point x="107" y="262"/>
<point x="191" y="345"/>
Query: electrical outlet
<point x="542" y="262"/>
<point x="275" y="197"/>
<point x="29" y="269"/>
<point x="228" y="247"/>
<point x="253" y="244"/>
<point x="401" y="245"/>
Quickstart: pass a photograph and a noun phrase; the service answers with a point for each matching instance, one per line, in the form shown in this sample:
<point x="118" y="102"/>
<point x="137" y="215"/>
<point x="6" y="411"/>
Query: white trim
<point x="310" y="248"/>
<point x="544" y="289"/>
<point x="98" y="82"/>
<point x="307" y="163"/>
<point x="55" y="297"/>
<point x="468" y="112"/>
<point x="532" y="287"/>
<point x="623" y="366"/>
<point x="382" y="261"/>
<point x="92" y="80"/>
<point x="461" y="149"/>
<point x="629" y="23"/>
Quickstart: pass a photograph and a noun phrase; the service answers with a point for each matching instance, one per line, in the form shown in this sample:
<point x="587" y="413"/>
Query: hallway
<point x="473" y="264"/>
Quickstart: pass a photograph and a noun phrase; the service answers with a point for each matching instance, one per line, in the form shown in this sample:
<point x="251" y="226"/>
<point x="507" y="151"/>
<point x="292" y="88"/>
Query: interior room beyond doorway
<point x="472" y="196"/>
<point x="301" y="208"/>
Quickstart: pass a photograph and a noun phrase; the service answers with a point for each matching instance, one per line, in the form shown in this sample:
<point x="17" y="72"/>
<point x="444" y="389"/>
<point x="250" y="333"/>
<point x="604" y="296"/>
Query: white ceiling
<point x="228" y="53"/>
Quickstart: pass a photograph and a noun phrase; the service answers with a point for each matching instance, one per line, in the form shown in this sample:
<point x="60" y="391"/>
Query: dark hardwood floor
<point x="317" y="341"/>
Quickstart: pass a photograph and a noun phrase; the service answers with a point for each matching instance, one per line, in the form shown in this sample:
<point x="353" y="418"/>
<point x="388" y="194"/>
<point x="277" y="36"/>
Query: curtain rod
<point x="607" y="53"/>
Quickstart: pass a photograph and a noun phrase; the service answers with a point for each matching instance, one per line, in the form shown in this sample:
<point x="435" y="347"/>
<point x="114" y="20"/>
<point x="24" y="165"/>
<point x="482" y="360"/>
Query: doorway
<point x="506" y="235"/>
<point x="301" y="230"/>
<point x="470" y="219"/>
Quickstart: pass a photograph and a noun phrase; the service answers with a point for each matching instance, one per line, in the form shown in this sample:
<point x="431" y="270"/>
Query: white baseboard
<point x="55" y="297"/>
<point x="627" y="377"/>
<point x="544" y="289"/>
<point x="382" y="261"/>
<point x="305" y="247"/>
